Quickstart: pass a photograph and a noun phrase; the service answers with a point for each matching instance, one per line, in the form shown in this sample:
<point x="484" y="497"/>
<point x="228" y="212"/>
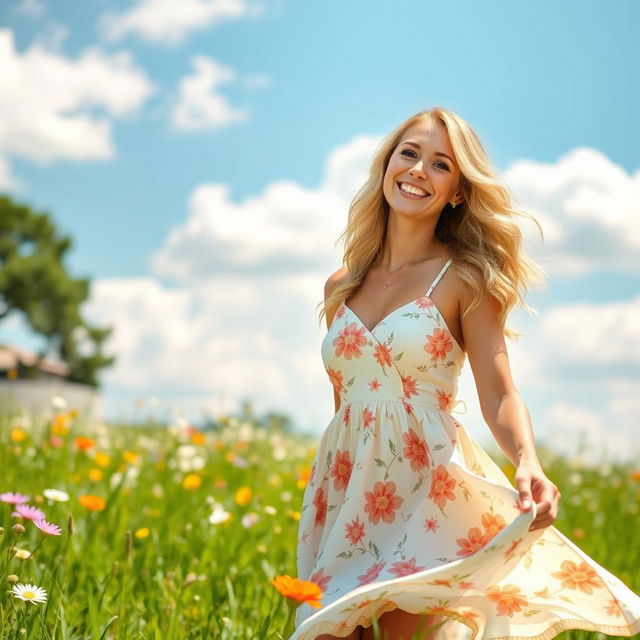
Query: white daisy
<point x="29" y="593"/>
<point x="56" y="495"/>
<point x="220" y="514"/>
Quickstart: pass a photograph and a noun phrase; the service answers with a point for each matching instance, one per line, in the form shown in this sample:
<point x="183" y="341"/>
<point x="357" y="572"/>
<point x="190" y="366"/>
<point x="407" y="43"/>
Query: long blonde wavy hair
<point x="481" y="230"/>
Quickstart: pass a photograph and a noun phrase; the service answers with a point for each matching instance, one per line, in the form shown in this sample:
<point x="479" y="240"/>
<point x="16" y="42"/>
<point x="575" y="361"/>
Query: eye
<point x="443" y="164"/>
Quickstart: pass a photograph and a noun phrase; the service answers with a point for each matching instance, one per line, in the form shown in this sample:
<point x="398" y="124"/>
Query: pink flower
<point x="28" y="512"/>
<point x="372" y="573"/>
<point x="47" y="527"/>
<point x="13" y="498"/>
<point x="401" y="568"/>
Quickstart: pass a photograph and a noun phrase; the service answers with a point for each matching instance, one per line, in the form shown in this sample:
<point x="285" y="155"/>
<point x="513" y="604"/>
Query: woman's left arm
<point x="503" y="408"/>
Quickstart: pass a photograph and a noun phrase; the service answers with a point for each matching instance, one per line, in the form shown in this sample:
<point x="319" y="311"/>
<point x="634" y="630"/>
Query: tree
<point x="34" y="280"/>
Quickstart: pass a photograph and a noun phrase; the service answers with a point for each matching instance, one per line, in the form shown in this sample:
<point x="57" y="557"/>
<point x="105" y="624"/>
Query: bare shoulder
<point x="334" y="280"/>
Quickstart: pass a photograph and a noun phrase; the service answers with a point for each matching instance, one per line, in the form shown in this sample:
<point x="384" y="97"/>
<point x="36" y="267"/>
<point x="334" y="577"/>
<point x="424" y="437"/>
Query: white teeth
<point x="411" y="189"/>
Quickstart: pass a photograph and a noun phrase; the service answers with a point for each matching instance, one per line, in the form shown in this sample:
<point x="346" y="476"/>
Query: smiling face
<point x="423" y="159"/>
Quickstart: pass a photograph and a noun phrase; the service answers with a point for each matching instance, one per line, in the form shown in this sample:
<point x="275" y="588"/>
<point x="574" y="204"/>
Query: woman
<point x="407" y="525"/>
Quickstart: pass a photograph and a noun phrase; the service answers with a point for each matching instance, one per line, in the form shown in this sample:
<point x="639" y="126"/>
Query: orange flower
<point x="197" y="437"/>
<point x="84" y="444"/>
<point x="475" y="541"/>
<point x="298" y="590"/>
<point x="442" y="485"/>
<point x="303" y="477"/>
<point x="93" y="503"/>
<point x="508" y="600"/>
<point x="438" y="344"/>
<point x="130" y="456"/>
<point x="95" y="474"/>
<point x="635" y="475"/>
<point x="349" y="341"/>
<point x="581" y="577"/>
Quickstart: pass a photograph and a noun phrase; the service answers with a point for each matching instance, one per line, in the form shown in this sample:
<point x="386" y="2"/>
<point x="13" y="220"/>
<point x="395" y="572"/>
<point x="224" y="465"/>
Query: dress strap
<point x="437" y="278"/>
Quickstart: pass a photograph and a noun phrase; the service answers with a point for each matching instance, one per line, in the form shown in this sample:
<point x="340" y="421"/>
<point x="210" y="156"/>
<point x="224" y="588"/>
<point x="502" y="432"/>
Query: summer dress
<point x="404" y="509"/>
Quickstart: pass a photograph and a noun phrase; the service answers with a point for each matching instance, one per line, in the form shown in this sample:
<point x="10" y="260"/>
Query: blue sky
<point x="206" y="159"/>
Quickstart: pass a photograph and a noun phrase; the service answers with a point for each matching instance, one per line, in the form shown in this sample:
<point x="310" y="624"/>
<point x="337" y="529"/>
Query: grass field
<point x="176" y="533"/>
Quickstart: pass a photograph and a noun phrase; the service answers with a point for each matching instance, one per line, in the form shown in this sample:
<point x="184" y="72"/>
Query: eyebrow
<point x="417" y="146"/>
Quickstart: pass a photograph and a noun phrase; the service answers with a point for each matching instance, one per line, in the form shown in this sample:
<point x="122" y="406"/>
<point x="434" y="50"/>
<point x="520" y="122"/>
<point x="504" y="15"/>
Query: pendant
<point x="385" y="287"/>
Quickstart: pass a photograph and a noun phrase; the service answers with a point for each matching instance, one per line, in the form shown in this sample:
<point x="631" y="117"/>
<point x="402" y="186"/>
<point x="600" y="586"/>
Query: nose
<point x="417" y="170"/>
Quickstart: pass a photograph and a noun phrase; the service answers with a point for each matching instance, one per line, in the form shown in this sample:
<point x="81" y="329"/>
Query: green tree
<point x="35" y="281"/>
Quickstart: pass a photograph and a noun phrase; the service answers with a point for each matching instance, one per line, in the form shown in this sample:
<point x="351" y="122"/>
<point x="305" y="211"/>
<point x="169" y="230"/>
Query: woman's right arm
<point x="330" y="285"/>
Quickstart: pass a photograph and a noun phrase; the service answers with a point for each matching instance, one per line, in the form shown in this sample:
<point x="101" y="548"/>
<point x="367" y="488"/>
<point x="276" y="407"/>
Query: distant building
<point x="19" y="392"/>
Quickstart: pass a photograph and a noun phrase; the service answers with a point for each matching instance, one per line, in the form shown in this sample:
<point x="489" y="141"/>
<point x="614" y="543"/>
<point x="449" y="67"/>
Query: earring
<point x="453" y="206"/>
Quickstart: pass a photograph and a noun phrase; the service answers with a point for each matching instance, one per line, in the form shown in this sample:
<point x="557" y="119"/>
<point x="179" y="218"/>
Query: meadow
<point x="132" y="532"/>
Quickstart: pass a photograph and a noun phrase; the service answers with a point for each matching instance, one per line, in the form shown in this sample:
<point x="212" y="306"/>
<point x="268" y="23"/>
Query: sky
<point x="203" y="156"/>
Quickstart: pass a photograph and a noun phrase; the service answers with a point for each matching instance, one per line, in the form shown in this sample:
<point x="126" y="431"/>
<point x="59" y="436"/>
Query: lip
<point x="398" y="182"/>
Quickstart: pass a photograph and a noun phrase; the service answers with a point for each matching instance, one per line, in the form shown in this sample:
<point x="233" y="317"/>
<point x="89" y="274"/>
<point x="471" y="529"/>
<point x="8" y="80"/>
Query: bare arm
<point x="329" y="286"/>
<point x="502" y="407"/>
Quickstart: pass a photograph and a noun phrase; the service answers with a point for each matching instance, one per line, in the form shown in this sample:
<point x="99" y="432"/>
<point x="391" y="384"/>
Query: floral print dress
<point x="404" y="509"/>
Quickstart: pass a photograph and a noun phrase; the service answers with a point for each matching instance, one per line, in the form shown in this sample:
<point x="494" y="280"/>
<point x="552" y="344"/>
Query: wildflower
<point x="249" y="519"/>
<point x="635" y="475"/>
<point x="293" y="514"/>
<point x="22" y="554"/>
<point x="191" y="481"/>
<point x="578" y="533"/>
<point x="58" y="402"/>
<point x="47" y="527"/>
<point x="12" y="578"/>
<point x="18" y="435"/>
<point x="28" y="512"/>
<point x="93" y="503"/>
<point x="130" y="456"/>
<point x="60" y="424"/>
<point x="220" y="483"/>
<point x="198" y="438"/>
<point x="13" y="498"/>
<point x="142" y="533"/>
<point x="18" y="528"/>
<point x="56" y="441"/>
<point x="303" y="477"/>
<point x="270" y="510"/>
<point x="297" y="592"/>
<point x="218" y="445"/>
<point x="219" y="514"/>
<point x="84" y="444"/>
<point x="101" y="459"/>
<point x="95" y="474"/>
<point x="243" y="496"/>
<point x="56" y="495"/>
<point x="29" y="593"/>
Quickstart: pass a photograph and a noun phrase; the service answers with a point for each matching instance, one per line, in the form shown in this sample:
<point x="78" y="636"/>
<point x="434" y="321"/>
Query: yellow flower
<point x="18" y="435"/>
<point x="101" y="459"/>
<point x="95" y="475"/>
<point x="243" y="496"/>
<point x="130" y="456"/>
<point x="142" y="533"/>
<point x="293" y="514"/>
<point x="218" y="445"/>
<point x="191" y="481"/>
<point x="60" y="424"/>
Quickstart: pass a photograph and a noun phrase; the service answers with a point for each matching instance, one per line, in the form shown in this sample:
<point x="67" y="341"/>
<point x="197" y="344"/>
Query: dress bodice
<point x="410" y="356"/>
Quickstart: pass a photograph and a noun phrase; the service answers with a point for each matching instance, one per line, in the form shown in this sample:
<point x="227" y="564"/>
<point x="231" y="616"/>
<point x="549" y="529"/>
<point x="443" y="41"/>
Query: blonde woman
<point x="407" y="525"/>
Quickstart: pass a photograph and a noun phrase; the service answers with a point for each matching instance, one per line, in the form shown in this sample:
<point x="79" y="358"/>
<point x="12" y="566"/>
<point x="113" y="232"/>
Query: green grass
<point x="190" y="578"/>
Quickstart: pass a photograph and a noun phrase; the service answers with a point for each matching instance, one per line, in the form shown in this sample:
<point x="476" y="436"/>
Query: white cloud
<point x="51" y="111"/>
<point x="200" y="104"/>
<point x="285" y="229"/>
<point x="168" y="22"/>
<point x="592" y="335"/>
<point x="589" y="208"/>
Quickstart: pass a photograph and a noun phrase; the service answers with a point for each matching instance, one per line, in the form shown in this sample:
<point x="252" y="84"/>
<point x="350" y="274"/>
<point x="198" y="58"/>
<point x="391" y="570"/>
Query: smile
<point x="411" y="192"/>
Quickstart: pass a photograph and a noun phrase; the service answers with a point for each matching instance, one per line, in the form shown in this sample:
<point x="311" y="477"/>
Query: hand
<point x="532" y="484"/>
